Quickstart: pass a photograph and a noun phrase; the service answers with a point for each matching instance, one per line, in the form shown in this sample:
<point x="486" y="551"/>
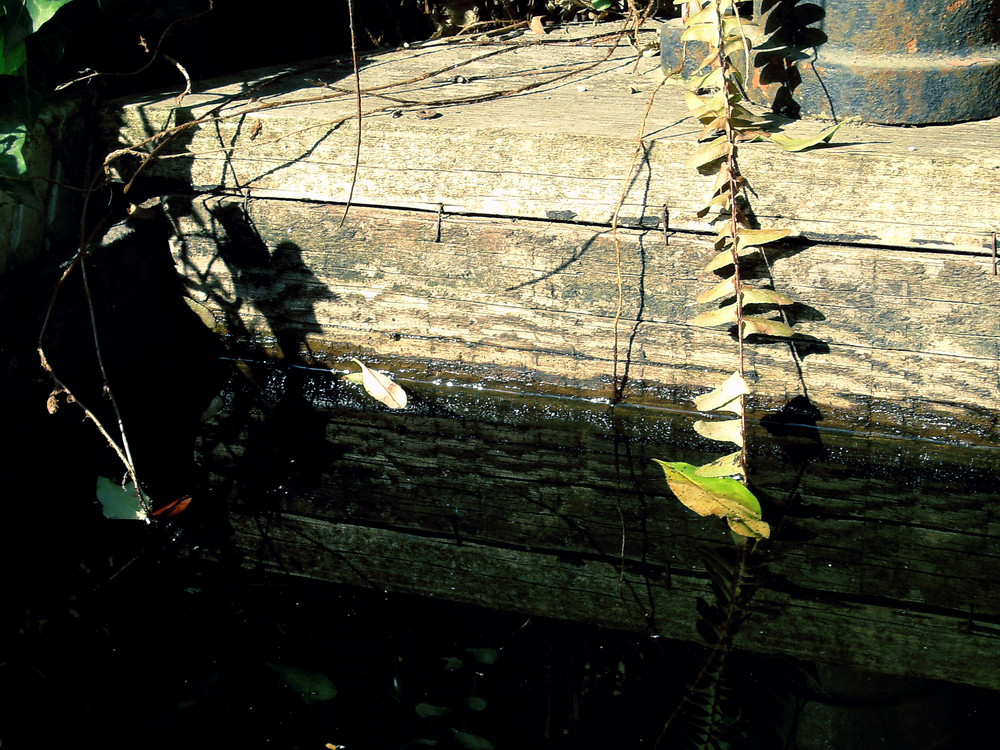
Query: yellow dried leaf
<point x="722" y="316"/>
<point x="757" y="237"/>
<point x="692" y="100"/>
<point x="536" y="25"/>
<point x="801" y="144"/>
<point x="725" y="258"/>
<point x="206" y="316"/>
<point x="722" y="290"/>
<point x="733" y="387"/>
<point x="728" y="431"/>
<point x="752" y="296"/>
<point x="750" y="527"/>
<point x="766" y="327"/>
<point x="726" y="466"/>
<point x="708" y="152"/>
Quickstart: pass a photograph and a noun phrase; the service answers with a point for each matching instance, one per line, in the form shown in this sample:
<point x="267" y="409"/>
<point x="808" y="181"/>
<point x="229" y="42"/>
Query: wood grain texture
<point x="554" y="507"/>
<point x="563" y="149"/>
<point x="886" y="339"/>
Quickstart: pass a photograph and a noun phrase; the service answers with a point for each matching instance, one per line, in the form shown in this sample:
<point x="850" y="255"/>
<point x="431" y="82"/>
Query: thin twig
<point x="619" y="388"/>
<point x="95" y="74"/>
<point x="357" y="90"/>
<point x="129" y="463"/>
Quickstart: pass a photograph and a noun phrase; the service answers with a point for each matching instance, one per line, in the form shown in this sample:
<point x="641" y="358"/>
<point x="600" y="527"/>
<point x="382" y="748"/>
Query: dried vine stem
<point x="357" y="90"/>
<point x="619" y="385"/>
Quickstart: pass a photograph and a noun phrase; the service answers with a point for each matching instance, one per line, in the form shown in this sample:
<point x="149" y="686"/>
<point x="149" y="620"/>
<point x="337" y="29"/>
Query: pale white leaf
<point x="727" y="393"/>
<point x="382" y="388"/>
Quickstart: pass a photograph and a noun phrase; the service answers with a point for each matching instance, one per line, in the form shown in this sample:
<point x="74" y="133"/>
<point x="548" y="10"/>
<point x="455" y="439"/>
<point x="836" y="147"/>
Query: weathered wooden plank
<point x="562" y="150"/>
<point x="856" y="635"/>
<point x="886" y="518"/>
<point x="886" y="338"/>
<point x="539" y="505"/>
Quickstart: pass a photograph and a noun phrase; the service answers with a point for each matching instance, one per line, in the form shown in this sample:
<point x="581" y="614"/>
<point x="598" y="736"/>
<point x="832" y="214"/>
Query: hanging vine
<point x="715" y="95"/>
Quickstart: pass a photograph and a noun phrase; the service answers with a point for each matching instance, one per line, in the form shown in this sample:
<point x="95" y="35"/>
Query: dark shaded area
<point x="794" y="30"/>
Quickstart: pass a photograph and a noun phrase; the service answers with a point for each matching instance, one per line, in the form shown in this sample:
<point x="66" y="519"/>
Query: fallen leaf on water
<point x="382" y="388"/>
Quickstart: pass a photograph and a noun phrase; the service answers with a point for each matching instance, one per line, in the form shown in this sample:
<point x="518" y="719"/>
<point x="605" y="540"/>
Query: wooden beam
<point x="480" y="263"/>
<point x="885" y="338"/>
<point x="563" y="149"/>
<point x="885" y="559"/>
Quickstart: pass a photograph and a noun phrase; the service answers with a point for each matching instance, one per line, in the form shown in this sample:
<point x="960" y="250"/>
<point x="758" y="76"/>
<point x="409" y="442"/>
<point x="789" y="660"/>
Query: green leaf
<point x="601" y="4"/>
<point x="728" y="431"/>
<point x="486" y="655"/>
<point x="41" y="11"/>
<point x="766" y="327"/>
<point x="118" y="502"/>
<point x="312" y="687"/>
<point x="470" y="741"/>
<point x="723" y="316"/>
<point x="722" y="398"/>
<point x="716" y="496"/>
<point x="799" y="144"/>
<point x="475" y="703"/>
<point x="12" y="140"/>
<point x="425" y="710"/>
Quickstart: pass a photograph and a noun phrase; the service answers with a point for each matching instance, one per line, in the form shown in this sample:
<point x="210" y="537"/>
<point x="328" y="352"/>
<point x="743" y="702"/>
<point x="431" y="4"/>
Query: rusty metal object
<point x="885" y="61"/>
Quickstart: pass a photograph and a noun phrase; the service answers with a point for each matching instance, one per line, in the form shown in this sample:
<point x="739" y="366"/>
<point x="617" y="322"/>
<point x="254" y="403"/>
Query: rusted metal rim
<point x="910" y="62"/>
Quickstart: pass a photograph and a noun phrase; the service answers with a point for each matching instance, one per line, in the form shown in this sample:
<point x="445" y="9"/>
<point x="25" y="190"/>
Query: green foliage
<point x="28" y="55"/>
<point x="446" y="723"/>
<point x="710" y="713"/>
<point x="704" y="717"/>
<point x="716" y="496"/>
<point x="121" y="502"/>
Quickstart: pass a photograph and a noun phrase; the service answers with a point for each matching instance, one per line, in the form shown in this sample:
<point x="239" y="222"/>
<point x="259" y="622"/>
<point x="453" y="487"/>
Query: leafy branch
<point x="716" y="97"/>
<point x="715" y="94"/>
